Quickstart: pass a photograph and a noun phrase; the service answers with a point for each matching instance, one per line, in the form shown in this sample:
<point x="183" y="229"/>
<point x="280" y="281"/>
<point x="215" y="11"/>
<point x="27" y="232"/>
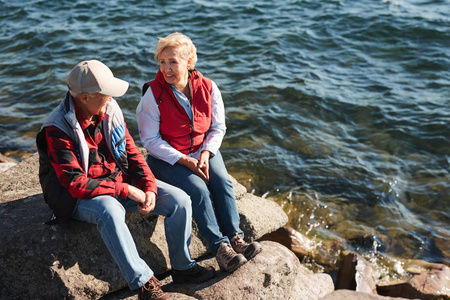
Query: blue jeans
<point x="108" y="213"/>
<point x="213" y="205"/>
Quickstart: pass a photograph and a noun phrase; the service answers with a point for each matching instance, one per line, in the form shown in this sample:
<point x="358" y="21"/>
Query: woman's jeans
<point x="108" y="213"/>
<point x="213" y="205"/>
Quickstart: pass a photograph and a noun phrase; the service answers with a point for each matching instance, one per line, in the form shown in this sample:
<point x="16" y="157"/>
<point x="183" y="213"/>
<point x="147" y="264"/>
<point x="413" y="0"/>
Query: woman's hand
<point x="146" y="201"/>
<point x="203" y="163"/>
<point x="193" y="165"/>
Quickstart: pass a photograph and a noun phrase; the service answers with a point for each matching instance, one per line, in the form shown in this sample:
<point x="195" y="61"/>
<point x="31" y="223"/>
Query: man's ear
<point x="84" y="97"/>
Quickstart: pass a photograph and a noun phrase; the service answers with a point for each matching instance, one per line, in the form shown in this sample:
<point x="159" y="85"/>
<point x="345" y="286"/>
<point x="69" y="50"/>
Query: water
<point x="337" y="110"/>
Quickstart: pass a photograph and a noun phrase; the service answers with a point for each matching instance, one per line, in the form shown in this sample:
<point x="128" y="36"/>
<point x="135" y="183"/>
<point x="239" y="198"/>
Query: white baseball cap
<point x="93" y="76"/>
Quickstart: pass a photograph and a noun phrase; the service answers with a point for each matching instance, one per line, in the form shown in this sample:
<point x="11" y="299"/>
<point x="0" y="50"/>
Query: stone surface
<point x="292" y="239"/>
<point x="434" y="284"/>
<point x="21" y="180"/>
<point x="275" y="273"/>
<point x="6" y="165"/>
<point x="353" y="295"/>
<point x="357" y="274"/>
<point x="312" y="286"/>
<point x="70" y="260"/>
<point x="325" y="253"/>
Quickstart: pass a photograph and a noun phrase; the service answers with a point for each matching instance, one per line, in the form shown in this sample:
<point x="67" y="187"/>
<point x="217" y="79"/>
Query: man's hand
<point x="149" y="205"/>
<point x="146" y="201"/>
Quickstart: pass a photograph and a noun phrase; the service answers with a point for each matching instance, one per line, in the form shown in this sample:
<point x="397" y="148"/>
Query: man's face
<point x="95" y="104"/>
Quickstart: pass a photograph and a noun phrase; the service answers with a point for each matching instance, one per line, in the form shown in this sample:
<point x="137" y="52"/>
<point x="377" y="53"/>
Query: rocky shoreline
<point x="70" y="261"/>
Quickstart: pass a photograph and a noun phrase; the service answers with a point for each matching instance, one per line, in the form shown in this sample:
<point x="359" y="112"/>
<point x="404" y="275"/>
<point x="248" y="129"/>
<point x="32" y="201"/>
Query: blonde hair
<point x="181" y="41"/>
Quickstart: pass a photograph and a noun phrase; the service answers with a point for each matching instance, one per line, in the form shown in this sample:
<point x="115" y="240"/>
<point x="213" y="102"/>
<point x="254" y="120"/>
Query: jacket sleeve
<point x="138" y="168"/>
<point x="63" y="155"/>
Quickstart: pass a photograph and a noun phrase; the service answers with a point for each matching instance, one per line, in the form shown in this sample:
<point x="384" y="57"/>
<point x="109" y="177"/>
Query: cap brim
<point x="116" y="88"/>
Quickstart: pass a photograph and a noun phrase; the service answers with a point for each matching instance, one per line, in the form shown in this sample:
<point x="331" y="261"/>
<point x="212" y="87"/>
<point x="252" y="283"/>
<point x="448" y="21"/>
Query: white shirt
<point x="148" y="117"/>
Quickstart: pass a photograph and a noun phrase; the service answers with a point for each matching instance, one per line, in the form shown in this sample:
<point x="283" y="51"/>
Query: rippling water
<point x="338" y="110"/>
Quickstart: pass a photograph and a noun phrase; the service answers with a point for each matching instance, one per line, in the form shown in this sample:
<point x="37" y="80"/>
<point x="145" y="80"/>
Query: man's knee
<point x="111" y="210"/>
<point x="182" y="201"/>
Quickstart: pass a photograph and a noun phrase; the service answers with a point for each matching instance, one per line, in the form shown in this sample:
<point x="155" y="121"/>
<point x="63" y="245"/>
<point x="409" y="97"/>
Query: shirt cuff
<point x="122" y="190"/>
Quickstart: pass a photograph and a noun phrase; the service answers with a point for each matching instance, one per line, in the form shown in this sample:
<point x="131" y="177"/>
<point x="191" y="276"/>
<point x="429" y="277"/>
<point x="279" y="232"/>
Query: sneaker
<point x="248" y="250"/>
<point x="196" y="274"/>
<point x="228" y="259"/>
<point x="151" y="291"/>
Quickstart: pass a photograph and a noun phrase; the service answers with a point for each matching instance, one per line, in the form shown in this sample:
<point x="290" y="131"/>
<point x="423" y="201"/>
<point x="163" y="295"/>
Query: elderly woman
<point x="181" y="123"/>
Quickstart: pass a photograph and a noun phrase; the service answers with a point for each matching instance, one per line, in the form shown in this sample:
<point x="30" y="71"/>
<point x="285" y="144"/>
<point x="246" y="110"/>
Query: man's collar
<point x="84" y="122"/>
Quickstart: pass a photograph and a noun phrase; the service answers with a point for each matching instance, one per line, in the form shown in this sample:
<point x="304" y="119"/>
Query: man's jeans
<point x="109" y="215"/>
<point x="213" y="205"/>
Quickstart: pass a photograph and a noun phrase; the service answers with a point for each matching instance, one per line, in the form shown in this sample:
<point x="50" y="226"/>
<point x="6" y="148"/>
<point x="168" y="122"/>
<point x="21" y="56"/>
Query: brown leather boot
<point x="196" y="274"/>
<point x="152" y="291"/>
<point x="249" y="250"/>
<point x="228" y="259"/>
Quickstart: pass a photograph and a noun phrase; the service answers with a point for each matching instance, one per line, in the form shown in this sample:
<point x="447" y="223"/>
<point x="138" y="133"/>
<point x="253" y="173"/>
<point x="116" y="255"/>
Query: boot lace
<point x="239" y="245"/>
<point x="226" y="252"/>
<point x="152" y="289"/>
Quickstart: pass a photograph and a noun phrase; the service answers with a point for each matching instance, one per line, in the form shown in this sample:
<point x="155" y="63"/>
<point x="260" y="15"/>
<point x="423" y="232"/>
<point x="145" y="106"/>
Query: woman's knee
<point x="200" y="195"/>
<point x="221" y="184"/>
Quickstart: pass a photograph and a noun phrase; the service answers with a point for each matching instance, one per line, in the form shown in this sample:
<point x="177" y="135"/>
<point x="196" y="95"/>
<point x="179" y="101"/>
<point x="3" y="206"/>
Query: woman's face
<point x="174" y="67"/>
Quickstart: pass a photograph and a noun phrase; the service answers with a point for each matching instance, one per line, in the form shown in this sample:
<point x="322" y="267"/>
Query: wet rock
<point x="427" y="284"/>
<point x="292" y="239"/>
<point x="323" y="253"/>
<point x="356" y="273"/>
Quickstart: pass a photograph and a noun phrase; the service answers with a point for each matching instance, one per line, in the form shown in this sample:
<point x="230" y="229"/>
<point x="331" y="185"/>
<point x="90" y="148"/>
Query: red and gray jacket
<point x="64" y="118"/>
<point x="176" y="128"/>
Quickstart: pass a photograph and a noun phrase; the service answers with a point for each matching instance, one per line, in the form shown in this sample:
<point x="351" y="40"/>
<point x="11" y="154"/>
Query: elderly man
<point x="91" y="170"/>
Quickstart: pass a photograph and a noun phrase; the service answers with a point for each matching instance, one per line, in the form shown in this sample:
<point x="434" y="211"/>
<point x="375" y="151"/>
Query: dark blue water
<point x="337" y="110"/>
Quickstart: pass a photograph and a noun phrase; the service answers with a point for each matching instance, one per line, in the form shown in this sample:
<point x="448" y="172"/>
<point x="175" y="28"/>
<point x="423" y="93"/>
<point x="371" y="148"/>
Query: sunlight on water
<point x="338" y="110"/>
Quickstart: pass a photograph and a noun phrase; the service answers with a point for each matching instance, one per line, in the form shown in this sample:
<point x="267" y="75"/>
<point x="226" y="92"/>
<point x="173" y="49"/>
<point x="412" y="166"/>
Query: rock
<point x="70" y="260"/>
<point x="353" y="295"/>
<point x="6" y="159"/>
<point x="6" y="165"/>
<point x="275" y="273"/>
<point x="324" y="253"/>
<point x="126" y="294"/>
<point x="21" y="180"/>
<point x="357" y="274"/>
<point x="312" y="286"/>
<point x="292" y="239"/>
<point x="433" y="284"/>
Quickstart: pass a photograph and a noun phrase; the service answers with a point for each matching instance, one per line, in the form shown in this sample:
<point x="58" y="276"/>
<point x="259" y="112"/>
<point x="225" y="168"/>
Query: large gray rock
<point x="70" y="260"/>
<point x="275" y="273"/>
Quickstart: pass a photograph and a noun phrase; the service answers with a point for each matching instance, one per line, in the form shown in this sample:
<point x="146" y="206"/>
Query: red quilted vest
<point x="175" y="126"/>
